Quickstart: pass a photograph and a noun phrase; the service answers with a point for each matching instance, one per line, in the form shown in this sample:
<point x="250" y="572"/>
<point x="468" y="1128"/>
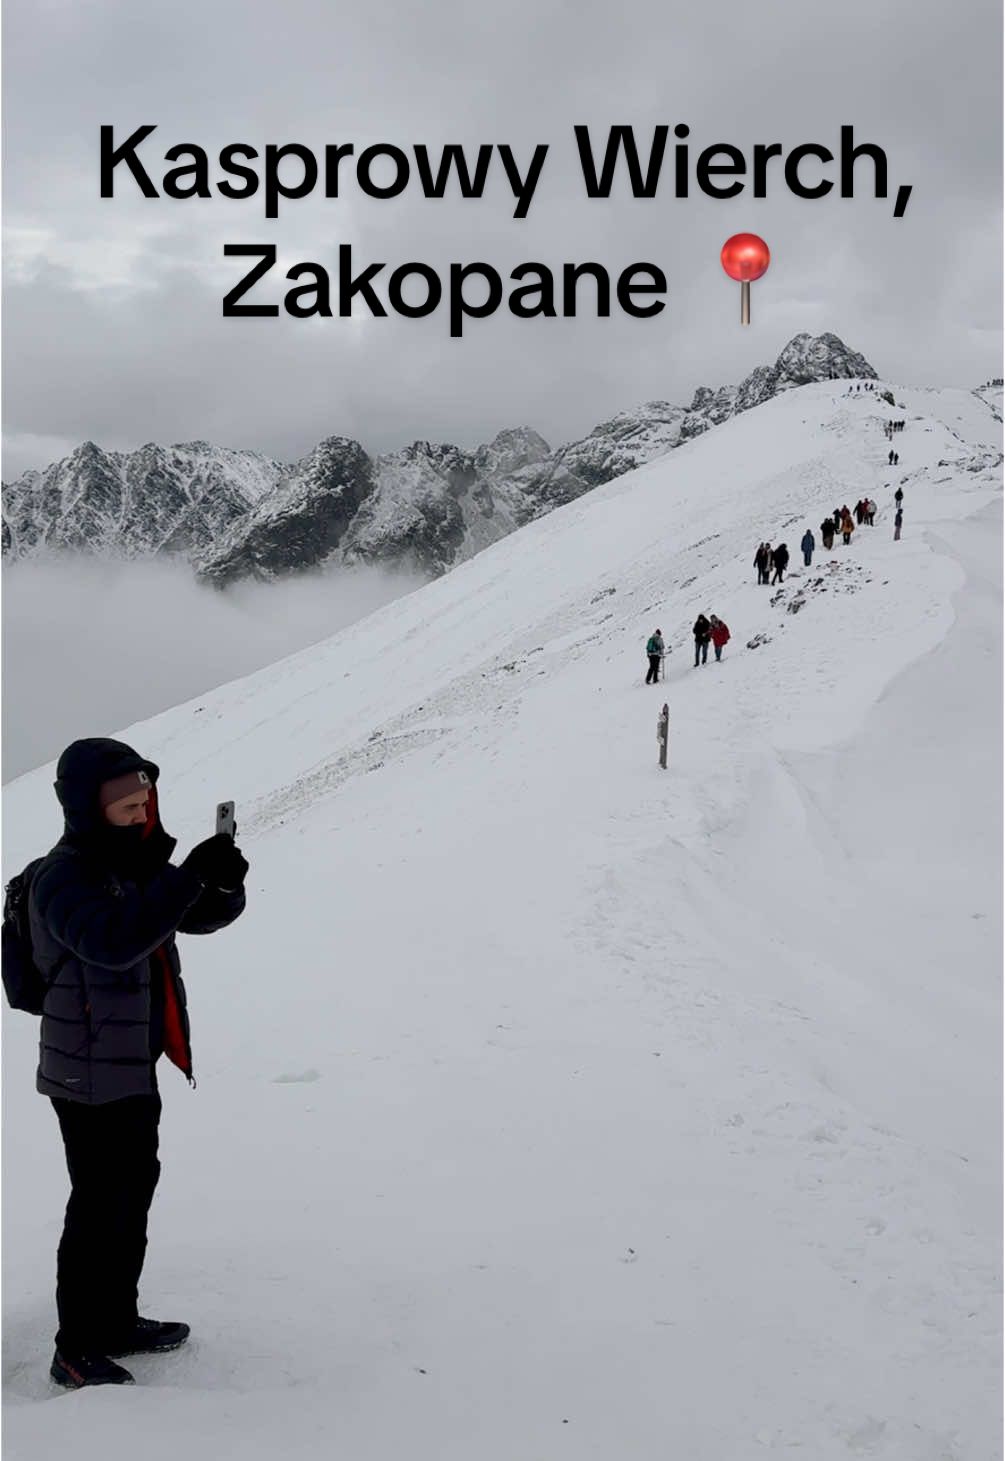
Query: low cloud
<point x="92" y="646"/>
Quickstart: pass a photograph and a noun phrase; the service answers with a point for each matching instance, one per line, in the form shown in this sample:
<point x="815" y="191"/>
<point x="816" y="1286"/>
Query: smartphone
<point x="225" y="819"/>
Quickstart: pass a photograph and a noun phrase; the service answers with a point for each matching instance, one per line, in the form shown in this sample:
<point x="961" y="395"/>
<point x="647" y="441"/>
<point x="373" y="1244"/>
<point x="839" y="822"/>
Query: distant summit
<point x="237" y="514"/>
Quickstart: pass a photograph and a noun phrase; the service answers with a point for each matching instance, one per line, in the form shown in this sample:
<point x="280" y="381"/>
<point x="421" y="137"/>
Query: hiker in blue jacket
<point x="104" y="908"/>
<point x="808" y="544"/>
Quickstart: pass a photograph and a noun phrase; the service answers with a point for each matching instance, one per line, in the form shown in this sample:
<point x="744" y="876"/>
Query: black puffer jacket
<point x="105" y="906"/>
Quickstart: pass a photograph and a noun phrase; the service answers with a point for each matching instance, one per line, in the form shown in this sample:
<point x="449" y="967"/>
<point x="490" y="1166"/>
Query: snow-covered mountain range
<point x="551" y="1105"/>
<point x="237" y="514"/>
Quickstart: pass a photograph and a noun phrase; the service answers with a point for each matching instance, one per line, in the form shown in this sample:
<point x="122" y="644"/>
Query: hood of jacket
<point x="80" y="772"/>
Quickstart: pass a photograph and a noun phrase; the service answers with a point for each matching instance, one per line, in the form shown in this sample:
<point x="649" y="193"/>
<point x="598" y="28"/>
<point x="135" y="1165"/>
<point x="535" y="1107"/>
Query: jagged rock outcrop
<point x="302" y="520"/>
<point x="627" y="441"/>
<point x="435" y="504"/>
<point x="159" y="499"/>
<point x="805" y="359"/>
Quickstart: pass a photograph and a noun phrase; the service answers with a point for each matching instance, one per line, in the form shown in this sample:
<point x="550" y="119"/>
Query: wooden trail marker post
<point x="663" y="734"/>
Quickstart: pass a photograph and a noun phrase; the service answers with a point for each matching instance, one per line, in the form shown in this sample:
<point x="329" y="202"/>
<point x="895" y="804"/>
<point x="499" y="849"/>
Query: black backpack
<point x="24" y="983"/>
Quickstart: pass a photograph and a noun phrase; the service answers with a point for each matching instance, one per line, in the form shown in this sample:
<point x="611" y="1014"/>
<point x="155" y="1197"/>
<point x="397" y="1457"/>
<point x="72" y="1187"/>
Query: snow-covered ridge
<point x="991" y="392"/>
<point x="429" y="506"/>
<point x="553" y="1105"/>
<point x="766" y="474"/>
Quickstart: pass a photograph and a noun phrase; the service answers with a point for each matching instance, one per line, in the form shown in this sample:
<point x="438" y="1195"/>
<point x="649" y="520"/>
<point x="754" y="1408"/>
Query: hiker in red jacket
<point x="720" y="635"/>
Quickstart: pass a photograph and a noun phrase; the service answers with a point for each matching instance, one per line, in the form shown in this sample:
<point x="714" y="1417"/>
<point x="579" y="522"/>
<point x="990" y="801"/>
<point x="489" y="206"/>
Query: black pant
<point x="654" y="669"/>
<point x="700" y="650"/>
<point x="111" y="1154"/>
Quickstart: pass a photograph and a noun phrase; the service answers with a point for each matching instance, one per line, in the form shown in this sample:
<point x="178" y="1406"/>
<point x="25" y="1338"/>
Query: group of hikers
<point x="868" y="386"/>
<point x="768" y="560"/>
<point x="893" y="460"/>
<point x="771" y="563"/>
<point x="840" y="521"/>
<point x="707" y="630"/>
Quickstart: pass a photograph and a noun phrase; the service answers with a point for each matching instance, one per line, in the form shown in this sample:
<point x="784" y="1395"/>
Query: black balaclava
<point x="135" y="852"/>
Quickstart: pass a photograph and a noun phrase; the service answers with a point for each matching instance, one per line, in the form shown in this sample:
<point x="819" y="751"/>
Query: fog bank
<point x="90" y="646"/>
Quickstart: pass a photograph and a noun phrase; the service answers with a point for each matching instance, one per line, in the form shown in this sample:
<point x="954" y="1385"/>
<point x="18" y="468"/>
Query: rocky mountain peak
<point x="235" y="514"/>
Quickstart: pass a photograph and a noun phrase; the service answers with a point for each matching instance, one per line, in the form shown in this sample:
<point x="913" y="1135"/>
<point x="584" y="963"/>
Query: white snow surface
<point x="553" y="1105"/>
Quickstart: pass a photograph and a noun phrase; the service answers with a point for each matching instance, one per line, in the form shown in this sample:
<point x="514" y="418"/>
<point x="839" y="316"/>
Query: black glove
<point x="218" y="863"/>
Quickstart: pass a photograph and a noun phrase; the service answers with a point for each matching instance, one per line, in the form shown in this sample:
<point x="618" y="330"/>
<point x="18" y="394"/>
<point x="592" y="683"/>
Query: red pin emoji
<point x="745" y="257"/>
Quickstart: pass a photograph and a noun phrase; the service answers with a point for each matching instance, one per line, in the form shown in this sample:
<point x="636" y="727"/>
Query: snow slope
<point x="551" y="1105"/>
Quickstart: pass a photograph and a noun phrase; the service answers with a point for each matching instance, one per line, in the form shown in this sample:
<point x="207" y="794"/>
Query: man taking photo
<point x="104" y="908"/>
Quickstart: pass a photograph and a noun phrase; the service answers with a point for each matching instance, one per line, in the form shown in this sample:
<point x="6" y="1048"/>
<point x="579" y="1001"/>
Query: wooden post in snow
<point x="663" y="734"/>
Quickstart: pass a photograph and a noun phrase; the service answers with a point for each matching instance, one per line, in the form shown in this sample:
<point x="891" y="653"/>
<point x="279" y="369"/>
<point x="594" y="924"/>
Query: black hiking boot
<point x="151" y="1336"/>
<point x="75" y="1371"/>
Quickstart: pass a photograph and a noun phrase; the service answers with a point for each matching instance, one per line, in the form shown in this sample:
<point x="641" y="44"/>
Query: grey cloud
<point x="153" y="359"/>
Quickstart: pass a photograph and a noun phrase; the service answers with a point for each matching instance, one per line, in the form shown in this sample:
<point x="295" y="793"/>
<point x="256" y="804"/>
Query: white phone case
<point x="225" y="819"/>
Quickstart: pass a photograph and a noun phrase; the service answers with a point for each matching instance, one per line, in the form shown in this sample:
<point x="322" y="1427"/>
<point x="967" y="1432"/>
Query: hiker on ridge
<point x="702" y="634"/>
<point x="654" y="649"/>
<point x="720" y="636"/>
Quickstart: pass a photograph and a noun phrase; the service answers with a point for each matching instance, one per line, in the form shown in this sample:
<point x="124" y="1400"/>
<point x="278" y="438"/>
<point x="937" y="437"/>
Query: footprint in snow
<point x="304" y="1078"/>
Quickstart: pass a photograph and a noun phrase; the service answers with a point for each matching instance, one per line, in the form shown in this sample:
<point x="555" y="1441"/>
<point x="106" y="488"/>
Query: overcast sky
<point x="113" y="316"/>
